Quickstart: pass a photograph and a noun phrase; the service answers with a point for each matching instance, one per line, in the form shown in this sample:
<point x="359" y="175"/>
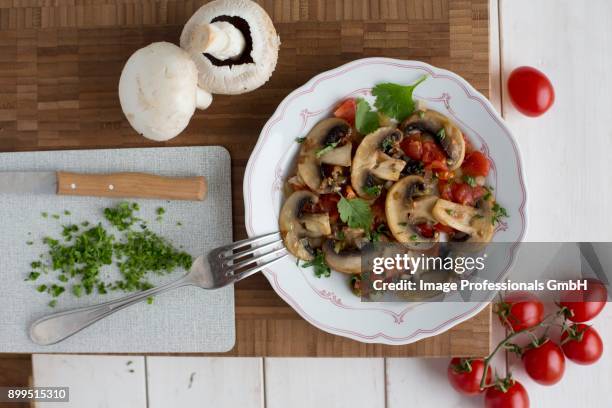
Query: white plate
<point x="328" y="303"/>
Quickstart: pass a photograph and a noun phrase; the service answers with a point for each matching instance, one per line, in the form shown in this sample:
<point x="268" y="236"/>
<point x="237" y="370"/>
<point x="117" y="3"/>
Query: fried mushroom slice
<point x="371" y="165"/>
<point x="345" y="260"/>
<point x="445" y="133"/>
<point x="300" y="230"/>
<point x="475" y="222"/>
<point x="319" y="148"/>
<point x="409" y="203"/>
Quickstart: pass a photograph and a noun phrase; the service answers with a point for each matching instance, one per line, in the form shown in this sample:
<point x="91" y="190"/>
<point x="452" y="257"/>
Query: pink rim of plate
<point x="309" y="87"/>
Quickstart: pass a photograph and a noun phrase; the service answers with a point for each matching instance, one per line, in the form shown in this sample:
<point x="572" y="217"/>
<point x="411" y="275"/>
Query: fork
<point x="223" y="266"/>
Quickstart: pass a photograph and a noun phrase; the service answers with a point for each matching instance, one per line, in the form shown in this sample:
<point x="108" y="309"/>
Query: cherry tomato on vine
<point x="476" y="164"/>
<point x="585" y="304"/>
<point x="515" y="396"/>
<point x="346" y="110"/>
<point x="584" y="345"/>
<point x="531" y="92"/>
<point x="520" y="310"/>
<point x="544" y="363"/>
<point x="464" y="374"/>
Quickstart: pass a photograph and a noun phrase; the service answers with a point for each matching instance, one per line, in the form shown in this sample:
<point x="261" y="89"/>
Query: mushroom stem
<point x="221" y="40"/>
<point x="203" y="98"/>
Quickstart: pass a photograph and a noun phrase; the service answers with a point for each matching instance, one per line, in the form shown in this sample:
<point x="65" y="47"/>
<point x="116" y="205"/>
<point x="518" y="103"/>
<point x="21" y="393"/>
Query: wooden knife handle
<point x="131" y="185"/>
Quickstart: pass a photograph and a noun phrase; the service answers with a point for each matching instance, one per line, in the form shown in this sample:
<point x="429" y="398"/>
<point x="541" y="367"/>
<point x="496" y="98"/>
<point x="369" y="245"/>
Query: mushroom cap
<point x="158" y="90"/>
<point x="238" y="78"/>
<point x="366" y="158"/>
<point x="295" y="236"/>
<point x="475" y="222"/>
<point x="345" y="261"/>
<point x="406" y="205"/>
<point x="309" y="166"/>
<point x="432" y="122"/>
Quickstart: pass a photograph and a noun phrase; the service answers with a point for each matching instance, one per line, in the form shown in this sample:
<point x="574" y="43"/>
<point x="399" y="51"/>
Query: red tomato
<point x="476" y="164"/>
<point x="329" y="203"/>
<point x="413" y="147"/>
<point x="346" y="110"/>
<point x="544" y="363"/>
<point x="521" y="310"/>
<point x="462" y="193"/>
<point x="530" y="91"/>
<point x="585" y="347"/>
<point x="432" y="152"/>
<point x="443" y="228"/>
<point x="585" y="304"/>
<point x="514" y="397"/>
<point x="445" y="190"/>
<point x="425" y="230"/>
<point x="478" y="192"/>
<point x="464" y="374"/>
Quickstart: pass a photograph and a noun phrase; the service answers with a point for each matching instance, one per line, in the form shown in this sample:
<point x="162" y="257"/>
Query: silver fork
<point x="222" y="266"/>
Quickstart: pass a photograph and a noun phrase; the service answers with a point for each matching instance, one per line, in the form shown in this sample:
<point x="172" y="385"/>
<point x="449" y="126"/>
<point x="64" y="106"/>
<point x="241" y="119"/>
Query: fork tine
<point x="245" y="274"/>
<point x="252" y="250"/>
<point x="249" y="261"/>
<point x="244" y="242"/>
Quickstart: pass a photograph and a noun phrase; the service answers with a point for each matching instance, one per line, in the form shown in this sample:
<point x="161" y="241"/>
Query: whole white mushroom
<point x="158" y="91"/>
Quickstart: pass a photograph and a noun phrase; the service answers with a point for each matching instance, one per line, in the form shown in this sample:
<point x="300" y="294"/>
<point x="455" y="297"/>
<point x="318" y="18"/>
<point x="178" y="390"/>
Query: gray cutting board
<point x="185" y="320"/>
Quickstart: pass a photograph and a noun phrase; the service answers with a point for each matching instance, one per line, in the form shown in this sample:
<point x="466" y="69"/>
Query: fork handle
<point x="59" y="326"/>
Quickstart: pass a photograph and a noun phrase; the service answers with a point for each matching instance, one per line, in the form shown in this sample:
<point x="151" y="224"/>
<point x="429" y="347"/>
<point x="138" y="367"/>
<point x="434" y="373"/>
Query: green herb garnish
<point x="372" y="190"/>
<point x="32" y="276"/>
<point x="470" y="180"/>
<point x="441" y="135"/>
<point x="53" y="303"/>
<point x="326" y="149"/>
<point x="356" y="213"/>
<point x="414" y="237"/>
<point x="366" y="120"/>
<point x="395" y="100"/>
<point x="321" y="269"/>
<point x="499" y="212"/>
<point x="300" y="140"/>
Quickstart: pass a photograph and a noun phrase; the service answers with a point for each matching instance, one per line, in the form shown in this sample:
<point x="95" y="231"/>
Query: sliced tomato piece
<point x="432" y="152"/>
<point x="476" y="164"/>
<point x="444" y="228"/>
<point x="346" y="110"/>
<point x="413" y="147"/>
<point x="425" y="230"/>
<point x="445" y="189"/>
<point x="478" y="192"/>
<point x="462" y="193"/>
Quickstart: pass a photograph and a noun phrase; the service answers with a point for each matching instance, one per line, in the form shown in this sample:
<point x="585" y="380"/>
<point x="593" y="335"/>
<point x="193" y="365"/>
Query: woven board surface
<point x="185" y="320"/>
<point x="60" y="62"/>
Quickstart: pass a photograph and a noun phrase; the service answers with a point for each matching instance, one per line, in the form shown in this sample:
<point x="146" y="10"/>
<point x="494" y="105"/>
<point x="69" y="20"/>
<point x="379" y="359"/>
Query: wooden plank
<point x="205" y="382"/>
<point x="101" y="381"/>
<point x="338" y="383"/>
<point x="61" y="94"/>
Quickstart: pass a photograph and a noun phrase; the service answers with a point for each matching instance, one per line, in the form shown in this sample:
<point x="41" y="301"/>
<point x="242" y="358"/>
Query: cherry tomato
<point x="346" y="110"/>
<point x="478" y="192"/>
<point x="329" y="203"/>
<point x="584" y="347"/>
<point x="432" y="152"/>
<point x="476" y="164"/>
<point x="521" y="310"/>
<point x="444" y="228"/>
<point x="464" y="374"/>
<point x="413" y="147"/>
<point x="425" y="230"/>
<point x="462" y="193"/>
<point x="585" y="304"/>
<point x="445" y="190"/>
<point x="545" y="363"/>
<point x="530" y="91"/>
<point x="514" y="397"/>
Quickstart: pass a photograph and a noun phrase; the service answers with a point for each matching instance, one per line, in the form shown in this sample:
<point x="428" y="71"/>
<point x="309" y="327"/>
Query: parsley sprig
<point x="321" y="269"/>
<point x="395" y="100"/>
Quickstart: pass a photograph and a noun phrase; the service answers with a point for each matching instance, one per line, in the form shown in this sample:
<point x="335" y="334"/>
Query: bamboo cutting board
<point x="60" y="62"/>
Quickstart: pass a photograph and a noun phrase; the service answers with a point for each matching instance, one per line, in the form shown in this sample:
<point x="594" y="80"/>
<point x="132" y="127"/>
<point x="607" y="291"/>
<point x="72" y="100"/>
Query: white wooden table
<point x="566" y="154"/>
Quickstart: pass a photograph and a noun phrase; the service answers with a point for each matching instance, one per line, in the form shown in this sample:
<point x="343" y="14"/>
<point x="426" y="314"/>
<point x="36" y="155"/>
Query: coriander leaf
<point x="328" y="148"/>
<point x="366" y="120"/>
<point x="356" y="213"/>
<point x="320" y="266"/>
<point x="53" y="303"/>
<point x="372" y="190"/>
<point x="470" y="180"/>
<point x="498" y="213"/>
<point x="395" y="100"/>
